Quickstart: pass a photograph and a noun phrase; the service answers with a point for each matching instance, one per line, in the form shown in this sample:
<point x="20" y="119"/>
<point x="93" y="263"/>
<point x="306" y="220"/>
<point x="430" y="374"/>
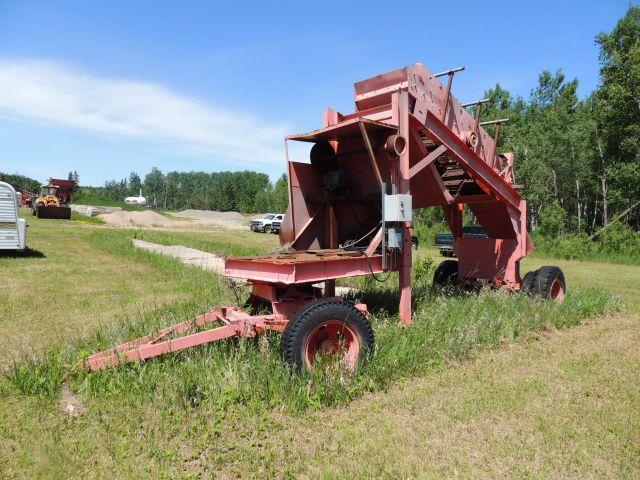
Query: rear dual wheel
<point x="446" y="274"/>
<point x="332" y="328"/>
<point x="546" y="282"/>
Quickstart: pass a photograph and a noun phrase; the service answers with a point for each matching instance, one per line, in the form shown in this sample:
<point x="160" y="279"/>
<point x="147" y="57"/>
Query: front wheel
<point x="34" y="211"/>
<point x="331" y="327"/>
<point x="267" y="229"/>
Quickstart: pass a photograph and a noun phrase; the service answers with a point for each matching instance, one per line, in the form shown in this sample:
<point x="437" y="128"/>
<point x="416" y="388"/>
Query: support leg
<point x="403" y="184"/>
<point x="330" y="288"/>
<point x="405" y="277"/>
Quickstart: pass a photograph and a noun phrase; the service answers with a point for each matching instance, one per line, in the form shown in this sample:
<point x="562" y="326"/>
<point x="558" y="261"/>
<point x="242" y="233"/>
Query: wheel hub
<point x="557" y="290"/>
<point x="333" y="338"/>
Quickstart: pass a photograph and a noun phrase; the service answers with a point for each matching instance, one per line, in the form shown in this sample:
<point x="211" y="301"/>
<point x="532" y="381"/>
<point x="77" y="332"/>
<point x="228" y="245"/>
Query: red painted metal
<point x="65" y="187"/>
<point x="413" y="103"/>
<point x="557" y="290"/>
<point x="27" y="196"/>
<point x="336" y="338"/>
<point x="234" y="322"/>
<point x="410" y="133"/>
<point x="160" y="342"/>
<point x="303" y="267"/>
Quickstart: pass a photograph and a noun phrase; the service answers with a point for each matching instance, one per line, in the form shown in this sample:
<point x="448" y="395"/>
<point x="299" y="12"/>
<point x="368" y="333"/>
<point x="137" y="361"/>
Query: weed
<point x="85" y="219"/>
<point x="233" y="409"/>
<point x="243" y="373"/>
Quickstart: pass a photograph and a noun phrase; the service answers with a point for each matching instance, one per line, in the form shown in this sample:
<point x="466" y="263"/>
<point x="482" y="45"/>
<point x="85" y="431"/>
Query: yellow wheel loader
<point x="48" y="204"/>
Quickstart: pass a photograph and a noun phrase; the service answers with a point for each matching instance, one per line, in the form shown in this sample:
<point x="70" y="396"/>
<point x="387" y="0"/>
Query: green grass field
<point x="483" y="385"/>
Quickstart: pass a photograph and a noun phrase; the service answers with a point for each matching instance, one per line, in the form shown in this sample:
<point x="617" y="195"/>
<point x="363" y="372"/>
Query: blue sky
<point x="105" y="88"/>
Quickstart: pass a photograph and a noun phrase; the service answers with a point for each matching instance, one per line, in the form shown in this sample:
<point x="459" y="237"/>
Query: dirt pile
<point x="211" y="215"/>
<point x="92" y="211"/>
<point x="186" y="219"/>
<point x="145" y="219"/>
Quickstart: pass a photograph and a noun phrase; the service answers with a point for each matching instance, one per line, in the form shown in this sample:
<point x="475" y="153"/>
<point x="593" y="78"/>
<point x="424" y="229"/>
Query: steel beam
<point x="477" y="168"/>
<point x="427" y="160"/>
<point x="404" y="274"/>
<point x="372" y="157"/>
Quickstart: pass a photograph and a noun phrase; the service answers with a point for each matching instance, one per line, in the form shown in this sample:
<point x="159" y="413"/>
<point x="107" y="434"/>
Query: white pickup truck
<point x="266" y="223"/>
<point x="13" y="229"/>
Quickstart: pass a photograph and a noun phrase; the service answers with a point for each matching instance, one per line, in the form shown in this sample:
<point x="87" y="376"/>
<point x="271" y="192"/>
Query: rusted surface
<point x="440" y="155"/>
<point x="227" y="322"/>
<point x="450" y="161"/>
<point x="343" y="130"/>
<point x="303" y="267"/>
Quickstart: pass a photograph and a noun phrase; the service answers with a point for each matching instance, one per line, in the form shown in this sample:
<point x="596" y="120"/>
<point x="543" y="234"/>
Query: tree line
<point x="21" y="182"/>
<point x="245" y="191"/>
<point x="579" y="159"/>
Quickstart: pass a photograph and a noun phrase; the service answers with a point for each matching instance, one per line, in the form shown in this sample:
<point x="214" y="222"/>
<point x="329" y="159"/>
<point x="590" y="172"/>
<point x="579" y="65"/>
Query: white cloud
<point x="51" y="92"/>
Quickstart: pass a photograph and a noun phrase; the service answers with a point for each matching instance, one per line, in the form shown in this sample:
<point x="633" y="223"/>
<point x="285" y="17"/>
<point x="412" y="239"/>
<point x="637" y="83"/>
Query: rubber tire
<point x="309" y="316"/>
<point x="544" y="280"/>
<point x="529" y="281"/>
<point x="267" y="229"/>
<point x="446" y="273"/>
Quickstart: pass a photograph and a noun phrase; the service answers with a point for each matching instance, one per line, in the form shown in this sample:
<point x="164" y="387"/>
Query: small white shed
<point x="13" y="229"/>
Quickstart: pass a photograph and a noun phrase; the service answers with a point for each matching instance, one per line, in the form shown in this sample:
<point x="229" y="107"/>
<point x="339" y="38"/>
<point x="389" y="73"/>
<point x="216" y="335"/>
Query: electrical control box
<point x="394" y="237"/>
<point x="397" y="208"/>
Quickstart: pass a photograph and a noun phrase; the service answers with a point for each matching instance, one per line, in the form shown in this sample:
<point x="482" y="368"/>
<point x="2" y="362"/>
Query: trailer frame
<point x="407" y="136"/>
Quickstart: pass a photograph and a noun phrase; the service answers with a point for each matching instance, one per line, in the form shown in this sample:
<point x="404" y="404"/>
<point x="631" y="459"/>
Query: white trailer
<point x="13" y="229"/>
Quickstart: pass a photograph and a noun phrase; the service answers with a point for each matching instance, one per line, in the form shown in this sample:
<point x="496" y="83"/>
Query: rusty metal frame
<point x="372" y="157"/>
<point x="154" y="345"/>
<point x="235" y="323"/>
<point x="475" y="167"/>
<point x="303" y="267"/>
<point x="407" y="102"/>
<point x="426" y="161"/>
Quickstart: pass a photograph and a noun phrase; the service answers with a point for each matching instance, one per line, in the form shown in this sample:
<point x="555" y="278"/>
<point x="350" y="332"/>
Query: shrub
<point x="422" y="270"/>
<point x="619" y="242"/>
<point x="426" y="233"/>
<point x="552" y="220"/>
<point x="619" y="238"/>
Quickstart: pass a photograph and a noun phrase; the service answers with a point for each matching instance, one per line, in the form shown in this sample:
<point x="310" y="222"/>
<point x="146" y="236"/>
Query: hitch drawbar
<point x="234" y="322"/>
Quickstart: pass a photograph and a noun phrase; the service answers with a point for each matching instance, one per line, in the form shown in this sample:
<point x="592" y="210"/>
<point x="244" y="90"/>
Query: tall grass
<point x="85" y="219"/>
<point x="225" y="244"/>
<point x="205" y="288"/>
<point x="622" y="245"/>
<point x="252" y="375"/>
<point x="245" y="373"/>
<point x="618" y="243"/>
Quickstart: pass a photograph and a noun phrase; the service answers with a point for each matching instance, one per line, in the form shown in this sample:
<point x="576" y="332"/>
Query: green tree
<point x="264" y="200"/>
<point x="281" y="194"/>
<point x="135" y="184"/>
<point x="552" y="220"/>
<point x="155" y="187"/>
<point x="20" y="181"/>
<point x="617" y="111"/>
<point x="547" y="134"/>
